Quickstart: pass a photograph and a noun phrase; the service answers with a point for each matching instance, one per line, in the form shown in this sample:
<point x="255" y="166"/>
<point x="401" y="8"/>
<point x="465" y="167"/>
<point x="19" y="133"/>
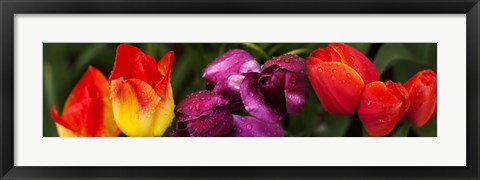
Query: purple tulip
<point x="224" y="75"/>
<point x="236" y="81"/>
<point x="280" y="89"/>
<point x="203" y="113"/>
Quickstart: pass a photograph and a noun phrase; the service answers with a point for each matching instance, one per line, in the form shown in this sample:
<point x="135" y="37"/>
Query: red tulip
<point x="88" y="110"/>
<point x="382" y="105"/>
<point x="422" y="91"/>
<point x="338" y="74"/>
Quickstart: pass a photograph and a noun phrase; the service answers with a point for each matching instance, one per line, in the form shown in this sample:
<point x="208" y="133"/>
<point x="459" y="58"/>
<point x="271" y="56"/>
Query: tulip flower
<point x="204" y="113"/>
<point x="422" y="91"/>
<point x="236" y="81"/>
<point x="382" y="105"/>
<point x="224" y="74"/>
<point x="280" y="89"/>
<point x="338" y="74"/>
<point x="141" y="93"/>
<point x="88" y="110"/>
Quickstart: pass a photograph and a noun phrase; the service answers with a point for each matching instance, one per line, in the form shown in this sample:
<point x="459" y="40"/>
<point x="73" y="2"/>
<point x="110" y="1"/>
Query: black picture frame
<point x="9" y="8"/>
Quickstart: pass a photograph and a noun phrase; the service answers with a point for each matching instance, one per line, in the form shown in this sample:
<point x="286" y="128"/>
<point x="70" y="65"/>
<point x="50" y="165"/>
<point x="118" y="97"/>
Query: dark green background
<point x="65" y="63"/>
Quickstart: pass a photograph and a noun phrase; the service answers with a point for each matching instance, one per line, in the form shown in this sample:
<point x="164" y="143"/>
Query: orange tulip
<point x="338" y="74"/>
<point x="88" y="110"/>
<point x="381" y="107"/>
<point x="142" y="98"/>
<point x="422" y="91"/>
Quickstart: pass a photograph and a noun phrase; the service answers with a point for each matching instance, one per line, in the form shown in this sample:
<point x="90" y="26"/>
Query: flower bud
<point x="88" y="110"/>
<point x="382" y="105"/>
<point x="142" y="98"/>
<point x="422" y="91"/>
<point x="338" y="74"/>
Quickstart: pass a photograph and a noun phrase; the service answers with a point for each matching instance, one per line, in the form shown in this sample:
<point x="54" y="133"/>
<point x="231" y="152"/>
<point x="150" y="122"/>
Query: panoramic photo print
<point x="240" y="89"/>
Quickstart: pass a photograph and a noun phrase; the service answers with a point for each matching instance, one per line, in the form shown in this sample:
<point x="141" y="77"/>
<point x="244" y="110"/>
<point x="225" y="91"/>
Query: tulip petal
<point x="289" y="62"/>
<point x="164" y="67"/>
<point x="201" y="103"/>
<point x="144" y="68"/>
<point x="165" y="112"/>
<point x="422" y="90"/>
<point x="338" y="52"/>
<point x="381" y="107"/>
<point x="92" y="84"/>
<point x="229" y="88"/>
<point x="59" y="120"/>
<point x="64" y="132"/>
<point x="124" y="60"/>
<point x="235" y="61"/>
<point x="217" y="123"/>
<point x="134" y="105"/>
<point x="296" y="92"/>
<point x="247" y="126"/>
<point x="272" y="86"/>
<point x="355" y="59"/>
<point x="254" y="102"/>
<point x="87" y="110"/>
<point x="165" y="64"/>
<point x="131" y="62"/>
<point x="337" y="85"/>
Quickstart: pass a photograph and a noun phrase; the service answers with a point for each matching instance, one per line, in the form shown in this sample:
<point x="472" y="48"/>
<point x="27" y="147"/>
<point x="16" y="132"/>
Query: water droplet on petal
<point x="320" y="70"/>
<point x="333" y="77"/>
<point x="249" y="127"/>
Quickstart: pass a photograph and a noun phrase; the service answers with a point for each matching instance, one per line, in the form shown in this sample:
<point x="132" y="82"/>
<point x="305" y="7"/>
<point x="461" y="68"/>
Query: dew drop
<point x="249" y="127"/>
<point x="333" y="77"/>
<point x="320" y="70"/>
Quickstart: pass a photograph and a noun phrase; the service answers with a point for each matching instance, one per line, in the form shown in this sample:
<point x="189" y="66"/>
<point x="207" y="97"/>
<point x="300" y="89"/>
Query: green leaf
<point x="404" y="70"/>
<point x="364" y="132"/>
<point x="303" y="124"/>
<point x="300" y="51"/>
<point x="403" y="130"/>
<point x="391" y="54"/>
<point x="429" y="129"/>
<point x="362" y="47"/>
<point x="87" y="56"/>
<point x="333" y="126"/>
<point x="257" y="49"/>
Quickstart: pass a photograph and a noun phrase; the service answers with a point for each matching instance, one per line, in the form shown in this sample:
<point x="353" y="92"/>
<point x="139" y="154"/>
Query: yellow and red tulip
<point x="141" y="93"/>
<point x="422" y="91"/>
<point x="88" y="110"/>
<point x="382" y="105"/>
<point x="338" y="74"/>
